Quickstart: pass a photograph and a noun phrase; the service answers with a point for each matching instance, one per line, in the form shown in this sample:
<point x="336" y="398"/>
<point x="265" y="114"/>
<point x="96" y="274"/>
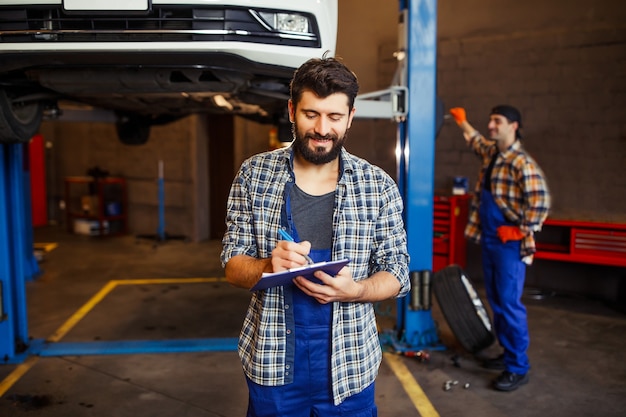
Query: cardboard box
<point x="89" y="205"/>
<point x="90" y="227"/>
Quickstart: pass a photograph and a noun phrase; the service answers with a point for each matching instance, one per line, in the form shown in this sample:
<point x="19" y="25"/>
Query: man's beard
<point x="495" y="137"/>
<point x="319" y="155"/>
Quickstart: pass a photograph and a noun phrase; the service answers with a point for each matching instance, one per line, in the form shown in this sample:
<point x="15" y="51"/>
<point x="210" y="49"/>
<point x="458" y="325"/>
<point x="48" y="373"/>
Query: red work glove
<point x="459" y="114"/>
<point x="506" y="233"/>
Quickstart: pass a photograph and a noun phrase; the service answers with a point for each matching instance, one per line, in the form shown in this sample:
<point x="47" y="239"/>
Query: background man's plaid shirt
<point x="518" y="186"/>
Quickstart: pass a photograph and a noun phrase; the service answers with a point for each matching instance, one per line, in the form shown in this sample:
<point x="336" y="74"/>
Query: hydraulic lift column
<point x="15" y="226"/>
<point x="416" y="169"/>
<point x="412" y="102"/>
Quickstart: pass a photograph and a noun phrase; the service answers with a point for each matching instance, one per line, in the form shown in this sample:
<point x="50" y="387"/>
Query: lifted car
<point x="155" y="61"/>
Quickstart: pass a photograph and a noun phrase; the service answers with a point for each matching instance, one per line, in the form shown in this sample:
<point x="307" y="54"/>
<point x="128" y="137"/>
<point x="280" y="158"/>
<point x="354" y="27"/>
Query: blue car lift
<point x="417" y="134"/>
<point x="413" y="103"/>
<point x="17" y="258"/>
<point x="415" y="328"/>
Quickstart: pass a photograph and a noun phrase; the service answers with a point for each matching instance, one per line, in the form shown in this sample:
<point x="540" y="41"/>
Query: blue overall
<point x="504" y="283"/>
<point x="310" y="394"/>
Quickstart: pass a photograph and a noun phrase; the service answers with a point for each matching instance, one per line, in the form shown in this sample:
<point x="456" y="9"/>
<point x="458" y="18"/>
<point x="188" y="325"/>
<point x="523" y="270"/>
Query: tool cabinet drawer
<point x="599" y="242"/>
<point x="582" y="241"/>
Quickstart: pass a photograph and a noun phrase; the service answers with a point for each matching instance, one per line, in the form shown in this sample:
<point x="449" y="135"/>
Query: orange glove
<point x="459" y="114"/>
<point x="506" y="233"/>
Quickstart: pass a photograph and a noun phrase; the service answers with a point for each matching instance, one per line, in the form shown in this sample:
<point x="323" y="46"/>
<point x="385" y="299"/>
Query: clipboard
<point x="285" y="277"/>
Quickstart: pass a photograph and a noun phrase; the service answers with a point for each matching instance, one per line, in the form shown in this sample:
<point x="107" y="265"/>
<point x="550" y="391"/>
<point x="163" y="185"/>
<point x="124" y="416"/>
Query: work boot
<point x="496" y="363"/>
<point x="509" y="381"/>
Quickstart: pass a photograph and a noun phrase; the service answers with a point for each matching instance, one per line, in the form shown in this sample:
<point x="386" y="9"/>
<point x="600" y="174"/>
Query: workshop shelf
<point x="96" y="206"/>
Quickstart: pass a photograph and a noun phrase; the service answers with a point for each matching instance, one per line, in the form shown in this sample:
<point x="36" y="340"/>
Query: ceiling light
<point x="220" y="101"/>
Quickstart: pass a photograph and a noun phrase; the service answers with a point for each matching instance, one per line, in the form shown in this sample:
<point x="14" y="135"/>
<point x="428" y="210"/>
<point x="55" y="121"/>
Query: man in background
<point x="510" y="203"/>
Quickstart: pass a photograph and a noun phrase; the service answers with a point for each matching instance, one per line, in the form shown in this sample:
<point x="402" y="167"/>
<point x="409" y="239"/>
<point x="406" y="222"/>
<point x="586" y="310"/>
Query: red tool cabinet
<point x="582" y="241"/>
<point x="450" y="219"/>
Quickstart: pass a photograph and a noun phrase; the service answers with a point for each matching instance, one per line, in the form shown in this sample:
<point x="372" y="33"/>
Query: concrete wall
<point x="75" y="147"/>
<point x="565" y="70"/>
<point x="563" y="64"/>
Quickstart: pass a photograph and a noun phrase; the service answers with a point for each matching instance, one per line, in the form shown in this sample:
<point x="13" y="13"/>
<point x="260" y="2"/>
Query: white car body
<point x="153" y="61"/>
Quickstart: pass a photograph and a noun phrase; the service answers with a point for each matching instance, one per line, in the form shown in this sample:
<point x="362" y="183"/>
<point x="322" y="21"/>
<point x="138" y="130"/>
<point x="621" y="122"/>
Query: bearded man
<point x="312" y="347"/>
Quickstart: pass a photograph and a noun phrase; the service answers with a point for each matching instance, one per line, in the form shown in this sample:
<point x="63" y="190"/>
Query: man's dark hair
<point x="511" y="114"/>
<point x="324" y="76"/>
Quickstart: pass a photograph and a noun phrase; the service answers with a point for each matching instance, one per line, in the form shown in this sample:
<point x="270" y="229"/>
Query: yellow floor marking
<point x="81" y="312"/>
<point x="24" y="367"/>
<point x="17" y="374"/>
<point x="45" y="246"/>
<point x="110" y="286"/>
<point x="410" y="385"/>
<point x="166" y="281"/>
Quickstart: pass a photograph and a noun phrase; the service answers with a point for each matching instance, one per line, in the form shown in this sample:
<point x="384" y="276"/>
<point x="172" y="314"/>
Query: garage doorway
<point x="221" y="133"/>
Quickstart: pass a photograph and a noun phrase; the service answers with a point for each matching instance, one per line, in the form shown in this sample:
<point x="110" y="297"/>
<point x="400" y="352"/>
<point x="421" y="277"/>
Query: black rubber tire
<point x="462" y="308"/>
<point x="133" y="130"/>
<point x="19" y="121"/>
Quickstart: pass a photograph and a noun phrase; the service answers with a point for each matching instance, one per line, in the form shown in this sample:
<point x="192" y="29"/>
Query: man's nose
<point x="322" y="126"/>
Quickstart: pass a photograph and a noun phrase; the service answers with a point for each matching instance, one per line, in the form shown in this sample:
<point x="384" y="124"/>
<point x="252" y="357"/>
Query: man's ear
<point x="515" y="126"/>
<point x="351" y="116"/>
<point x="292" y="109"/>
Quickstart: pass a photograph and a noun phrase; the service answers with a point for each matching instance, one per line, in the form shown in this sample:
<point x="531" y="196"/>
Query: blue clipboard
<point x="286" y="277"/>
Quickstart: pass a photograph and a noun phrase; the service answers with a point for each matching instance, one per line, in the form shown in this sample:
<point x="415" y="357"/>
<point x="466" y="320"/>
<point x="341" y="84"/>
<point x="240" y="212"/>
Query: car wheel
<point x="19" y="120"/>
<point x="462" y="308"/>
<point x="133" y="130"/>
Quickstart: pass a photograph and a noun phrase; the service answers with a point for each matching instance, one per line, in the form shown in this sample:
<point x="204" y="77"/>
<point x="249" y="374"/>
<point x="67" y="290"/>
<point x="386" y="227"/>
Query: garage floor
<point x="119" y="289"/>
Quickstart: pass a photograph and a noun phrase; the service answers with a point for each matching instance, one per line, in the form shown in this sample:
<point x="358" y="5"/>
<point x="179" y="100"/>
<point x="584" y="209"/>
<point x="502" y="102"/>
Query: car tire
<point x="133" y="130"/>
<point x="19" y="121"/>
<point x="462" y="308"/>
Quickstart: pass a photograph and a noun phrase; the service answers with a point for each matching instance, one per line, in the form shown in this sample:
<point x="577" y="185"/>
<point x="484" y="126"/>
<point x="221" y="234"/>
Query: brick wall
<point x="571" y="89"/>
<point x="563" y="64"/>
<point x="75" y="147"/>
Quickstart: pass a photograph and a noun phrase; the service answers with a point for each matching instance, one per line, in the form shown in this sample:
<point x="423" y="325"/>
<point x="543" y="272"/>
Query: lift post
<point x="415" y="328"/>
<point x="15" y="261"/>
<point x="412" y="102"/>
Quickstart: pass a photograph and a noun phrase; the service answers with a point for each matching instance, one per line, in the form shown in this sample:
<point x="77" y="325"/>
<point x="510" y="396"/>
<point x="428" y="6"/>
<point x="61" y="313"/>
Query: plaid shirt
<point x="518" y="187"/>
<point x="367" y="228"/>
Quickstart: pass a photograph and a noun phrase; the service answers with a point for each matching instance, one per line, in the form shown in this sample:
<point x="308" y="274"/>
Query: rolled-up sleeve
<point x="391" y="253"/>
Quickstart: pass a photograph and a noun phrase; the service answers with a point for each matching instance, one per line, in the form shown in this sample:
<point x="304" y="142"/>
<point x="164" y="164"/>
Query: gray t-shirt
<point x="313" y="217"/>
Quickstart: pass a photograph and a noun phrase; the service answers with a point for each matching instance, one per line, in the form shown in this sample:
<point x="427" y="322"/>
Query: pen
<point x="288" y="237"/>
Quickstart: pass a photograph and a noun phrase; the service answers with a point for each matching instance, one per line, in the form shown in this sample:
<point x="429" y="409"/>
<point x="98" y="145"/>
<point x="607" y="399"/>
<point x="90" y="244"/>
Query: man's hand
<point x="287" y="255"/>
<point x="506" y="233"/>
<point x="341" y="287"/>
<point x="459" y="115"/>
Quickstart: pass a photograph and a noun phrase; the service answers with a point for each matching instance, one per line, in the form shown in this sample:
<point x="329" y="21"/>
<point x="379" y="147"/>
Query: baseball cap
<point x="512" y="115"/>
